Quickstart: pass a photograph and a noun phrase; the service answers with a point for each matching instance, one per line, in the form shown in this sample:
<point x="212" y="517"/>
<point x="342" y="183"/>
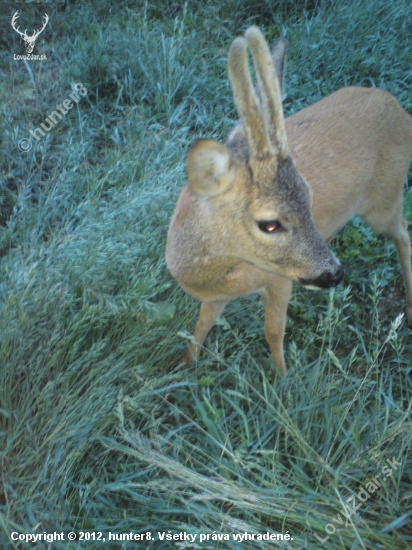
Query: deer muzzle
<point x="328" y="279"/>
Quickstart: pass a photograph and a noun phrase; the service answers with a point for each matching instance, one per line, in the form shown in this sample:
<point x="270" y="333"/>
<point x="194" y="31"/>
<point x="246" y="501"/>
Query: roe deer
<point x="257" y="211"/>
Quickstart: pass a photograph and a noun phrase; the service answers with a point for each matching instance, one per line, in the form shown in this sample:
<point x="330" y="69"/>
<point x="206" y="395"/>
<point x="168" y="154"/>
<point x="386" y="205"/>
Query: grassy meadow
<point x="99" y="431"/>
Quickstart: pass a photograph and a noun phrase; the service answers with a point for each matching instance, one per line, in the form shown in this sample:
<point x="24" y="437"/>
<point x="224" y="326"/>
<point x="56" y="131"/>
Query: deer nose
<point x="328" y="279"/>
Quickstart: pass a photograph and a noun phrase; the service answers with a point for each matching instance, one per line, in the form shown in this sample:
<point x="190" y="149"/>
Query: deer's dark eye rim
<point x="269" y="226"/>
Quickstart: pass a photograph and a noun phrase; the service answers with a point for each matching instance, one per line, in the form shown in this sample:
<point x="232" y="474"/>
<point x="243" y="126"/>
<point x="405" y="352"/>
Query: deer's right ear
<point x="279" y="60"/>
<point x="210" y="169"/>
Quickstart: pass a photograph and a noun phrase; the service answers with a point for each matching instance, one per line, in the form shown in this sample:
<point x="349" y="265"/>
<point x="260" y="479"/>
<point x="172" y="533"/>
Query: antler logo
<point x="29" y="41"/>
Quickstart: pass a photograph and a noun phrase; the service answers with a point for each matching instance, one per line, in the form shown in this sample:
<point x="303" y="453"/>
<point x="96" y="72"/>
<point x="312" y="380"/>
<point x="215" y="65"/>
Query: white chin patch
<point x="312" y="287"/>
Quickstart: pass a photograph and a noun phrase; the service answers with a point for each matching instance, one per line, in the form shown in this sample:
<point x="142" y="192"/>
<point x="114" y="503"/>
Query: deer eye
<point x="269" y="226"/>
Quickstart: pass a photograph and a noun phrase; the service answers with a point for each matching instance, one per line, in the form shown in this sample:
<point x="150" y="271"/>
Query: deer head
<point x="245" y="200"/>
<point x="29" y="41"/>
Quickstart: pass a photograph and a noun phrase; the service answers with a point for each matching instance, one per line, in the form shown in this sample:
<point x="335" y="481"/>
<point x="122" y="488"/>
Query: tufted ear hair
<point x="210" y="168"/>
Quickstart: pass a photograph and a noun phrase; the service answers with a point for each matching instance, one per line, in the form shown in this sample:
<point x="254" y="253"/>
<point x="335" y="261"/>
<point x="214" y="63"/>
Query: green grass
<point x="99" y="431"/>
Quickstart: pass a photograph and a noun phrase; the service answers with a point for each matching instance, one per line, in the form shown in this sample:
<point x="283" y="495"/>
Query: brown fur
<point x="353" y="148"/>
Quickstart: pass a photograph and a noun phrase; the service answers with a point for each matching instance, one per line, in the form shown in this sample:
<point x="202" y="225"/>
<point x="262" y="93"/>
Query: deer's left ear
<point x="210" y="169"/>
